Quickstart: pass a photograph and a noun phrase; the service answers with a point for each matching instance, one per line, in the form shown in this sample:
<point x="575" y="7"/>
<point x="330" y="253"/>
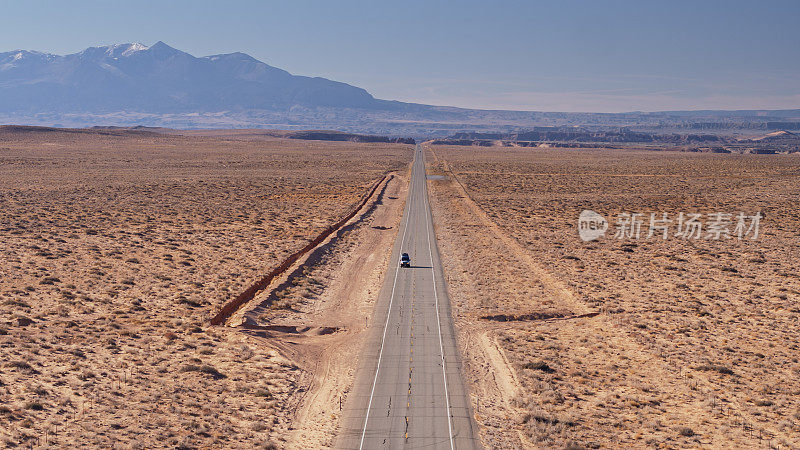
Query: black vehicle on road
<point x="405" y="260"/>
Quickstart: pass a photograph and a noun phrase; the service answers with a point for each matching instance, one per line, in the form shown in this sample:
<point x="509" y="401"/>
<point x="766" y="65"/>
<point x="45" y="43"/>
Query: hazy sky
<point x="558" y="55"/>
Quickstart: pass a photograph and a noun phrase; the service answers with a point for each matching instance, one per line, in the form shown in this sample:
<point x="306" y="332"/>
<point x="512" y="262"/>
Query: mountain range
<point x="162" y="79"/>
<point x="157" y="85"/>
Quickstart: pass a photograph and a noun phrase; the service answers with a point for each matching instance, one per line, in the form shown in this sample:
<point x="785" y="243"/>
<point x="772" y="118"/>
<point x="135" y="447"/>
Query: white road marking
<point x="428" y="232"/>
<point x="388" y="313"/>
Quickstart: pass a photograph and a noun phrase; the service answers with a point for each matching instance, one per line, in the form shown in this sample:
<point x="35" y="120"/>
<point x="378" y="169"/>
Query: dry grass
<point x="696" y="341"/>
<point x="117" y="248"/>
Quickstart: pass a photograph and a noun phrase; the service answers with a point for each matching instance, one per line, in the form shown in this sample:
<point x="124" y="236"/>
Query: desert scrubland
<point x="118" y="247"/>
<point x="622" y="342"/>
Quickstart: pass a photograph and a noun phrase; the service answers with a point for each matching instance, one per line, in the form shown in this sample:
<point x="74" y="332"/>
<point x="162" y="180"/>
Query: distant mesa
<point x="779" y="136"/>
<point x="308" y="135"/>
<point x="572" y="137"/>
<point x="11" y="132"/>
<point x="339" y="136"/>
<point x="580" y="137"/>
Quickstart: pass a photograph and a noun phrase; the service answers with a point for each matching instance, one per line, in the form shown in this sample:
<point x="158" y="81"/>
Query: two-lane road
<point x="408" y="391"/>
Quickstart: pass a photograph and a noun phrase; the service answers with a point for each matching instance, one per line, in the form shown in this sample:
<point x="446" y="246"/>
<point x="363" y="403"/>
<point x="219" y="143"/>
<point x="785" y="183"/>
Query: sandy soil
<point x="119" y="246"/>
<point x="319" y="315"/>
<point x="622" y="343"/>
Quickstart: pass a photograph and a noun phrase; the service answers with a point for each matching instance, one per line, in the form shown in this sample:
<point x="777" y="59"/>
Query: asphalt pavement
<point x="408" y="391"/>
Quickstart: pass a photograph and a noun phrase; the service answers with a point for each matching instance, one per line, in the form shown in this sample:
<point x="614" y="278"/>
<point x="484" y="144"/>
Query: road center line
<point x="391" y="300"/>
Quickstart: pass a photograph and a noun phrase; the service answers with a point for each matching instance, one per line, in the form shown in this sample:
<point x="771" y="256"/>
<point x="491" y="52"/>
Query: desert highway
<point x="408" y="390"/>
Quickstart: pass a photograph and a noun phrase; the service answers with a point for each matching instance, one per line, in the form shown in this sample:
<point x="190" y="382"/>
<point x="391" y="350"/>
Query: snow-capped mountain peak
<point x="129" y="49"/>
<point x="160" y="78"/>
<point x="12" y="60"/>
<point x="113" y="51"/>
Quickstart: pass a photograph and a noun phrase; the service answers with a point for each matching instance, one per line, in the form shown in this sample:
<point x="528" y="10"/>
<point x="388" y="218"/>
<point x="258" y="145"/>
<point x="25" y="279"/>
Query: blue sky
<point x="560" y="55"/>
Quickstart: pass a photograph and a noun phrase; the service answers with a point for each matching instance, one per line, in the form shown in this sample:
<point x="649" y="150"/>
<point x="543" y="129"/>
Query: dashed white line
<point x="428" y="232"/>
<point x="389" y="311"/>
